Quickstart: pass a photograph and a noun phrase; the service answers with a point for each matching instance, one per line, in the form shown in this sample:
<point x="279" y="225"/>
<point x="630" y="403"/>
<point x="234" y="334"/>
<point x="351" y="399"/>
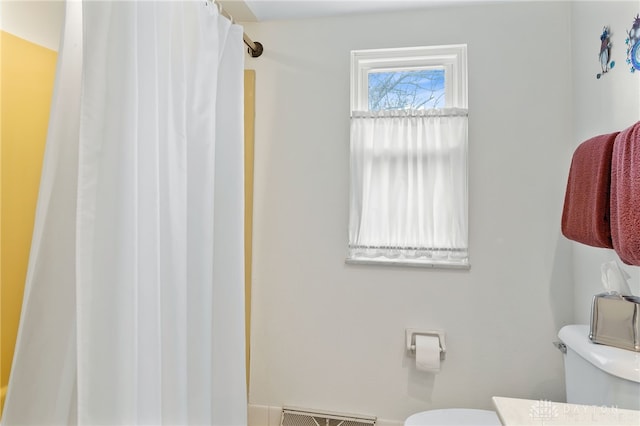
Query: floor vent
<point x="302" y="417"/>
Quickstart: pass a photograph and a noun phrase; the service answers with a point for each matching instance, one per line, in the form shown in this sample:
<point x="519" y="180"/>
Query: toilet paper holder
<point x="411" y="333"/>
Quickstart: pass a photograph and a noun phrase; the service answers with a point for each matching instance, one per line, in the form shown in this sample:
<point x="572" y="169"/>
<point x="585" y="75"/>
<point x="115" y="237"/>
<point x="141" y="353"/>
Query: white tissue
<point x="428" y="353"/>
<point x="614" y="278"/>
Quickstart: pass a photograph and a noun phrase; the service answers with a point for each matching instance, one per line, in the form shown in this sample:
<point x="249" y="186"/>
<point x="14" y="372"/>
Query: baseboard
<point x="265" y="415"/>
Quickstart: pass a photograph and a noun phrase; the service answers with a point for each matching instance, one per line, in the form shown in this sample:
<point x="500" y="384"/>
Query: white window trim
<point x="454" y="60"/>
<point x="411" y="263"/>
<point x="452" y="57"/>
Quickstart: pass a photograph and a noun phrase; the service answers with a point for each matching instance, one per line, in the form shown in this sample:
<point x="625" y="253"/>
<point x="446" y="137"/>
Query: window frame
<point x="453" y="58"/>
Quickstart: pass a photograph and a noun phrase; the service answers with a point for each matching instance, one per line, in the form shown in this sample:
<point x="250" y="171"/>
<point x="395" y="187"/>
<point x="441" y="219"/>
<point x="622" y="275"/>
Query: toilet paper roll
<point x="428" y="353"/>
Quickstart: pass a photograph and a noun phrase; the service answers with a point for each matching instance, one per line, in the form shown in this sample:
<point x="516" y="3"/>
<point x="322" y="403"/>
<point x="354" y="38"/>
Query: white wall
<point x="330" y="336"/>
<point x="609" y="104"/>
<point x="40" y="22"/>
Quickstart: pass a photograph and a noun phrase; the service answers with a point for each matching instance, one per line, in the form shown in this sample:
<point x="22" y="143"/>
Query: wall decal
<point x="633" y="45"/>
<point x="605" y="52"/>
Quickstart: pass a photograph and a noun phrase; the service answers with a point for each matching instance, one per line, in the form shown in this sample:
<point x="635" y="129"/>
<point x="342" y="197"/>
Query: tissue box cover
<point x="615" y="321"/>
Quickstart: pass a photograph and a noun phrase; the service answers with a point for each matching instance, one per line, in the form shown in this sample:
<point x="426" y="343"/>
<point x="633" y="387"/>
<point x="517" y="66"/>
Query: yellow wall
<point x="249" y="118"/>
<point x="27" y="73"/>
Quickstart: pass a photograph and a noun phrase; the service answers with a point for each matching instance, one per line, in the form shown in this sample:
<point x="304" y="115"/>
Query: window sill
<point x="407" y="262"/>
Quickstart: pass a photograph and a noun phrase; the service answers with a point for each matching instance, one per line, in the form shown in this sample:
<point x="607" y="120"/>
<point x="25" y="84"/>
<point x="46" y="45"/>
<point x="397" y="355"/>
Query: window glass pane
<point x="420" y="89"/>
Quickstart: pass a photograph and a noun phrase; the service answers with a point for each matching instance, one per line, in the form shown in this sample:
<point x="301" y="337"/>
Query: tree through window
<point x="409" y="90"/>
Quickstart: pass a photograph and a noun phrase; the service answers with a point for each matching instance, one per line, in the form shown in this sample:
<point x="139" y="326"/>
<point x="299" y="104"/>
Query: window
<point x="408" y="192"/>
<point x="449" y="63"/>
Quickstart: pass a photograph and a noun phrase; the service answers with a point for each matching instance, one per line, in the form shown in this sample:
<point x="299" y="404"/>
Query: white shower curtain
<point x="134" y="307"/>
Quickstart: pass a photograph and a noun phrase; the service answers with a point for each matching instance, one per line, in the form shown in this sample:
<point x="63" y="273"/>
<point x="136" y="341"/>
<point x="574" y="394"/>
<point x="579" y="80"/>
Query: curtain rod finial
<point x="257" y="51"/>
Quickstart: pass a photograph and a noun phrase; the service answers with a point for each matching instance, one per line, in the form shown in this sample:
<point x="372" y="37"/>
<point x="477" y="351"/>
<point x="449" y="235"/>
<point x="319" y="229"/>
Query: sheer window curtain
<point x="409" y="186"/>
<point x="134" y="307"/>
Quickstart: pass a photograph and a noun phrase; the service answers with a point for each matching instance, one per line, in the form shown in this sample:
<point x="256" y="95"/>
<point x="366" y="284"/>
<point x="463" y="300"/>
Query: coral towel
<point x="625" y="195"/>
<point x="585" y="217"/>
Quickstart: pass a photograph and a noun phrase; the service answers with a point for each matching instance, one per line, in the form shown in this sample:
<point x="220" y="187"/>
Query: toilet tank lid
<point x="618" y="362"/>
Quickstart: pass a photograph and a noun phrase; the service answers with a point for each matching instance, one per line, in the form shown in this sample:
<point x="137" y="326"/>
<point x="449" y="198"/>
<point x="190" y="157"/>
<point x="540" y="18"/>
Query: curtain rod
<point x="254" y="47"/>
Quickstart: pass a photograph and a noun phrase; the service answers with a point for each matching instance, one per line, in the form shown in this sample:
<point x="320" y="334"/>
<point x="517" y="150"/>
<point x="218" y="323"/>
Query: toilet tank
<point x="598" y="374"/>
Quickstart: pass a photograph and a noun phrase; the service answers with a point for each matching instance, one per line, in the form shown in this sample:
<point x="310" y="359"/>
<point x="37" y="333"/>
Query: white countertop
<point x="528" y="412"/>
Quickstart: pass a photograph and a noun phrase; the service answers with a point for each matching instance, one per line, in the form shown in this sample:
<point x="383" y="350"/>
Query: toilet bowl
<point x="454" y="417"/>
